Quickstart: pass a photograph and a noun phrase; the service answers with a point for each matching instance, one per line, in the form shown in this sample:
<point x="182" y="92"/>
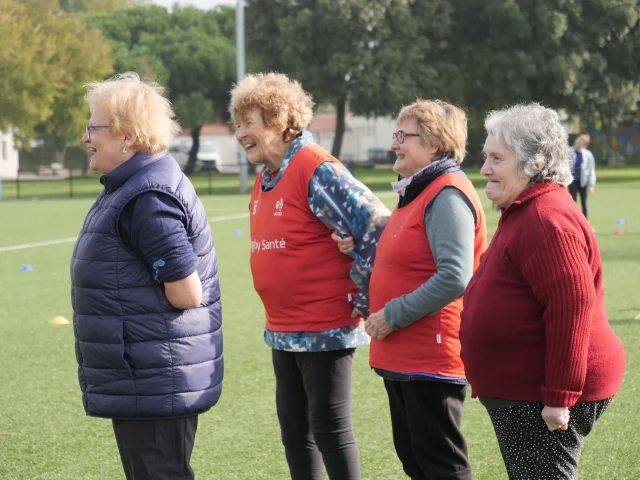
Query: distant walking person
<point x="583" y="166"/>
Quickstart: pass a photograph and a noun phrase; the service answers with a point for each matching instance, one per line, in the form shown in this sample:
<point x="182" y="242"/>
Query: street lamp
<point x="240" y="62"/>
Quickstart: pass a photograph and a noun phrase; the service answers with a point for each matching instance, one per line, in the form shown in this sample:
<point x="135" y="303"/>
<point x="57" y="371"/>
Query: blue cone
<point x="620" y="221"/>
<point x="237" y="232"/>
<point x="26" y="268"/>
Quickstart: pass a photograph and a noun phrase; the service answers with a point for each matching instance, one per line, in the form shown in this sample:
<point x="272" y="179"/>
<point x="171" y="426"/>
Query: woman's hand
<point x="345" y="245"/>
<point x="556" y="417"/>
<point x="376" y="326"/>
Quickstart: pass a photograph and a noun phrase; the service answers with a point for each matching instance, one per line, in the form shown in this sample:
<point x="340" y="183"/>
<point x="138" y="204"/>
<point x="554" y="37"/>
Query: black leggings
<point x="574" y="189"/>
<point x="313" y="400"/>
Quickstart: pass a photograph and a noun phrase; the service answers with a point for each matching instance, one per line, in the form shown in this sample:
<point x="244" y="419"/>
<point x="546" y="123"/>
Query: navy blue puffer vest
<point x="139" y="357"/>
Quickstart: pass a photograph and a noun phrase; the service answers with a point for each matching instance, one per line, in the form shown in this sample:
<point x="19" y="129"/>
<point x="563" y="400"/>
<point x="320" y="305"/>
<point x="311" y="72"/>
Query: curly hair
<point x="536" y="135"/>
<point x="283" y="102"/>
<point x="440" y="125"/>
<point x="135" y="106"/>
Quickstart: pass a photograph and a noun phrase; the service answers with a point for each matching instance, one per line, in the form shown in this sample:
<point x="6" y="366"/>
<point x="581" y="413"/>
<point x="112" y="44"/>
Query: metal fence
<point x="69" y="183"/>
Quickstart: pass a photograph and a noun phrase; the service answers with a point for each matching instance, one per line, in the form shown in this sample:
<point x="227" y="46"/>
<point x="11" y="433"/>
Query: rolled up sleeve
<point x="154" y="226"/>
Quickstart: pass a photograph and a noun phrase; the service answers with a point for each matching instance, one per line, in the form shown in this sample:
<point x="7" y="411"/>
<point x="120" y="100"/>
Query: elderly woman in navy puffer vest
<point x="145" y="293"/>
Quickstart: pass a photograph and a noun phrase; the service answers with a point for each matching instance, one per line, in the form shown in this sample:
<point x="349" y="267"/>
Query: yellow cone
<point x="58" y="320"/>
<point x="638" y="316"/>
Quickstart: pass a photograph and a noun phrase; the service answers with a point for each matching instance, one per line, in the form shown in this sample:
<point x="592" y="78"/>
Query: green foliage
<point x="332" y="47"/>
<point x="188" y="50"/>
<point x="45" y="58"/>
<point x="194" y="109"/>
<point x="582" y="56"/>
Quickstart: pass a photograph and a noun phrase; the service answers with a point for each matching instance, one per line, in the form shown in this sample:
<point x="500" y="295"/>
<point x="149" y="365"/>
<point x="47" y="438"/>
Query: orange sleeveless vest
<point x="404" y="262"/>
<point x="302" y="278"/>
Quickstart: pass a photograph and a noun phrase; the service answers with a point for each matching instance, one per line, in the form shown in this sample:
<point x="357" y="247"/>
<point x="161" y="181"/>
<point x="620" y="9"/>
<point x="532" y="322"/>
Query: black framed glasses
<point x="92" y="127"/>
<point x="400" y="136"/>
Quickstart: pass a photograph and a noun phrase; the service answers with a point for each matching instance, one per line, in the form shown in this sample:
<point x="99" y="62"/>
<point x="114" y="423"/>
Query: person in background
<point x="426" y="255"/>
<point x="537" y="346"/>
<point x="583" y="167"/>
<point x="145" y="295"/>
<point x="314" y="297"/>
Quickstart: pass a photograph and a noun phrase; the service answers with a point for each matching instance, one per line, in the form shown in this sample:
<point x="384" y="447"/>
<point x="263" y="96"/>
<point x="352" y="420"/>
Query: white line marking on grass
<point x="222" y="218"/>
<point x="228" y="217"/>
<point x="60" y="241"/>
<point x="24" y="246"/>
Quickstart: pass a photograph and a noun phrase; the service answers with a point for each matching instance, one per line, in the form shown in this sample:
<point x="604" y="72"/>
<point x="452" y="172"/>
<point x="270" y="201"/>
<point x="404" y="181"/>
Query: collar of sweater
<point x="529" y="194"/>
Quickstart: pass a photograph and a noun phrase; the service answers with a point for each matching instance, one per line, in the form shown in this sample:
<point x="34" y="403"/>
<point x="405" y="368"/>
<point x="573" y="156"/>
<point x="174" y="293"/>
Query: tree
<point x="43" y="61"/>
<point x="86" y="57"/>
<point x="94" y="5"/>
<point x="185" y="50"/>
<point x="326" y="45"/>
<point x="582" y="56"/>
<point x="194" y="109"/>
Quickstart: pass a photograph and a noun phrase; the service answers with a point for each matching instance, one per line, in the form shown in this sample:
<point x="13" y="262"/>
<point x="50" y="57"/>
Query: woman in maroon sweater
<point x="537" y="346"/>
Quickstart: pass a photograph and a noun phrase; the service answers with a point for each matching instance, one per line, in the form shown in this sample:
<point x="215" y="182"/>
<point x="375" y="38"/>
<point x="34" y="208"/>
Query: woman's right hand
<point x="556" y="417"/>
<point x="345" y="245"/>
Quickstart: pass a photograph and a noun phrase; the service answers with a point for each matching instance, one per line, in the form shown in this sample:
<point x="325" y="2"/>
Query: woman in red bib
<point x="314" y="297"/>
<point x="426" y="255"/>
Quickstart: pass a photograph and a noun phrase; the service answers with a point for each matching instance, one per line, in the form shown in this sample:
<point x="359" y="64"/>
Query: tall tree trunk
<point x="190" y="167"/>
<point x="341" y="106"/>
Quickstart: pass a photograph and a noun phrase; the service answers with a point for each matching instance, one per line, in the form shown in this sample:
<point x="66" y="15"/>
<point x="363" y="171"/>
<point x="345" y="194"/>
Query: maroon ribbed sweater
<point x="534" y="326"/>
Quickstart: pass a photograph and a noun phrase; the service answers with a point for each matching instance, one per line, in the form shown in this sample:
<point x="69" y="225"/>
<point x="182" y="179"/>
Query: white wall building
<point x="8" y="157"/>
<point x="360" y="135"/>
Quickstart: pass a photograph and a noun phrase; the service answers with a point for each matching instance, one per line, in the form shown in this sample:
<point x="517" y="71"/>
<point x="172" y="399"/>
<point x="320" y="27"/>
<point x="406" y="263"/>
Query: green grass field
<point x="216" y="183"/>
<point x="44" y="433"/>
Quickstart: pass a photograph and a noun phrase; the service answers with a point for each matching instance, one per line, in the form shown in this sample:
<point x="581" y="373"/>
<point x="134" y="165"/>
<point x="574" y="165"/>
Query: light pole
<point x="242" y="158"/>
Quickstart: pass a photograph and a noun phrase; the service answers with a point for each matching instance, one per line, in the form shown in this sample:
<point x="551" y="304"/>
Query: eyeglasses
<point x="91" y="127"/>
<point x="400" y="136"/>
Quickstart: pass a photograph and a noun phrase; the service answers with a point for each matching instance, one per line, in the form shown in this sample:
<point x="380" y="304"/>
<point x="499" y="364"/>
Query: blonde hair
<point x="137" y="107"/>
<point x="440" y="125"/>
<point x="282" y="101"/>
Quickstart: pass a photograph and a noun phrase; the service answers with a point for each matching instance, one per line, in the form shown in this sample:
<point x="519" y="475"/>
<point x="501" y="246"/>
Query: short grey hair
<point x="536" y="135"/>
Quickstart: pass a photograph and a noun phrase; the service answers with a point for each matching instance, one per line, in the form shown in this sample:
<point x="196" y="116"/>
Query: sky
<point x="203" y="4"/>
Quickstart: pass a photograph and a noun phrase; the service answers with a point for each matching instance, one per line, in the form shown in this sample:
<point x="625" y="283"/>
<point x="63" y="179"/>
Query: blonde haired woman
<point x="145" y="292"/>
<point x="315" y="301"/>
<point x="426" y="256"/>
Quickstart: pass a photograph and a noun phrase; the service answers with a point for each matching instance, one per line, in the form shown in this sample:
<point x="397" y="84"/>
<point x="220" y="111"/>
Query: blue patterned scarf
<point x="268" y="179"/>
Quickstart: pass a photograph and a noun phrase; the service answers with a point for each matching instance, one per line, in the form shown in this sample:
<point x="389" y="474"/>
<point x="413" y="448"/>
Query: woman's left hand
<point x="345" y="245"/>
<point x="556" y="417"/>
<point x="376" y="326"/>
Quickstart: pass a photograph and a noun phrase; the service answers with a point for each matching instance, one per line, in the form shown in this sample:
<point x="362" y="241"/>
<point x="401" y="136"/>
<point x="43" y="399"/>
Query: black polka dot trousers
<point x="531" y="451"/>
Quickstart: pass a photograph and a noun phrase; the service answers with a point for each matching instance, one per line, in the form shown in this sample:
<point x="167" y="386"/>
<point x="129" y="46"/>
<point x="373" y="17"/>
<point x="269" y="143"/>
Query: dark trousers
<point x="531" y="451"/>
<point x="156" y="449"/>
<point x="574" y="189"/>
<point x="426" y="418"/>
<point x="313" y="400"/>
